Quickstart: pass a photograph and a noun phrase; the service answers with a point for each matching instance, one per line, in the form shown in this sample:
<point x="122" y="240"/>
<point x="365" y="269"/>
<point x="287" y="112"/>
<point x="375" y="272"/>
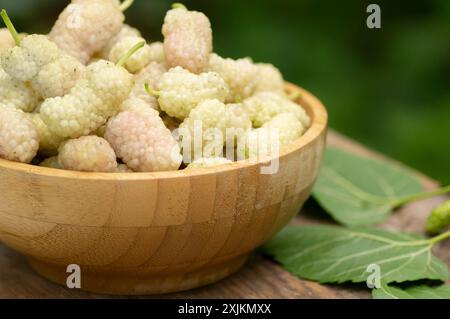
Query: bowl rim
<point x="313" y="106"/>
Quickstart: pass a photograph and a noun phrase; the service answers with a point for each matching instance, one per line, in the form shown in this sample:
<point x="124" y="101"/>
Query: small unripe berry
<point x="439" y="218"/>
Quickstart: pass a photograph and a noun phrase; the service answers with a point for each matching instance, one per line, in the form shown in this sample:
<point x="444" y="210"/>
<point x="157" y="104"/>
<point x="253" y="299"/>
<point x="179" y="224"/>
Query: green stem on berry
<point x="132" y="51"/>
<point x="152" y="92"/>
<point x="125" y="5"/>
<point x="10" y="27"/>
<point x="439" y="238"/>
<point x="416" y="197"/>
<point x="178" y="5"/>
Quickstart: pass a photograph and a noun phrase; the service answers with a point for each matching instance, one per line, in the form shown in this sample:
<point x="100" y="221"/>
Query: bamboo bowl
<point x="152" y="233"/>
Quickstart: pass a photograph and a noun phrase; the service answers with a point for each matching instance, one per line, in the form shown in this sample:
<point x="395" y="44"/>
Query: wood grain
<point x="259" y="278"/>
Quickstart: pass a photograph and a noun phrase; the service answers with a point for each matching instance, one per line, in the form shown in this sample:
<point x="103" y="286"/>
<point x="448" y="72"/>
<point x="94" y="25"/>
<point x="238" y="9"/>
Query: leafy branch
<point x="358" y="191"/>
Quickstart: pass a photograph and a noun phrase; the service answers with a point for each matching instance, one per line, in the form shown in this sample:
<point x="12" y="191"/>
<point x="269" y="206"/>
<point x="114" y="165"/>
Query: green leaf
<point x="416" y="292"/>
<point x="358" y="191"/>
<point x="330" y="254"/>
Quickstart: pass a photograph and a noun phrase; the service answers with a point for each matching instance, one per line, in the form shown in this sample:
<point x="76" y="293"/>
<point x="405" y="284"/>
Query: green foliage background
<point x="388" y="88"/>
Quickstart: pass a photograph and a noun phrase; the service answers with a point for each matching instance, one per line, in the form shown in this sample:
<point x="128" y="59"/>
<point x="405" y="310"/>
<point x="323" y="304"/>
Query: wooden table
<point x="260" y="278"/>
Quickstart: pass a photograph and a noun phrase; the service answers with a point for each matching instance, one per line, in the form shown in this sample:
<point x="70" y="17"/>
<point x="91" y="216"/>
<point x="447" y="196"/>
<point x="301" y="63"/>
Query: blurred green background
<point x="388" y="88"/>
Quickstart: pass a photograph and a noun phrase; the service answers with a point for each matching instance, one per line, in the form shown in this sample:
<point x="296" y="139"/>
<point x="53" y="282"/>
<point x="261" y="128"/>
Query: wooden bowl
<point x="152" y="233"/>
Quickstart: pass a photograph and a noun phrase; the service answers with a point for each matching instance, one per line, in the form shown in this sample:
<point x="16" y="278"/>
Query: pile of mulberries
<point x="93" y="95"/>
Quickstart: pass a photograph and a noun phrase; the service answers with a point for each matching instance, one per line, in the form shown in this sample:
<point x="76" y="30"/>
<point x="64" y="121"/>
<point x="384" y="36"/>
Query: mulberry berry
<point x="37" y="60"/>
<point x="16" y="94"/>
<point x="215" y="124"/>
<point x="141" y="140"/>
<point x="138" y="61"/>
<point x="157" y="52"/>
<point x="19" y="141"/>
<point x="180" y="91"/>
<point x="208" y="162"/>
<point x="240" y="75"/>
<point x="264" y="106"/>
<point x="126" y="31"/>
<point x="439" y="218"/>
<point x="187" y="39"/>
<point x="289" y="127"/>
<point x="150" y="75"/>
<point x="88" y="154"/>
<point x="90" y="103"/>
<point x="24" y="62"/>
<point x="269" y="79"/>
<point x="86" y="26"/>
<point x="282" y="130"/>
<point x="58" y="78"/>
<point x="48" y="141"/>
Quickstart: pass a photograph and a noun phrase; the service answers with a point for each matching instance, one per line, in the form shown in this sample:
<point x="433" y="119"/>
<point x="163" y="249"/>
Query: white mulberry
<point x="214" y="124"/>
<point x="240" y="75"/>
<point x="126" y="31"/>
<point x="39" y="61"/>
<point x="187" y="39"/>
<point x="134" y="103"/>
<point x="88" y="154"/>
<point x="24" y="62"/>
<point x="157" y="53"/>
<point x="289" y="127"/>
<point x="180" y="91"/>
<point x="264" y="106"/>
<point x="150" y="75"/>
<point x="19" y="140"/>
<point x="48" y="141"/>
<point x="16" y="94"/>
<point x="58" y="78"/>
<point x="141" y="140"/>
<point x="90" y="103"/>
<point x="269" y="79"/>
<point x="208" y="162"/>
<point x="138" y="61"/>
<point x="86" y="26"/>
<point x="283" y="129"/>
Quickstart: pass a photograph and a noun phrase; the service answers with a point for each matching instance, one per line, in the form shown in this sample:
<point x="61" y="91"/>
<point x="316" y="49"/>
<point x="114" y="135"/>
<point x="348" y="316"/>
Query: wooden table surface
<point x="260" y="278"/>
